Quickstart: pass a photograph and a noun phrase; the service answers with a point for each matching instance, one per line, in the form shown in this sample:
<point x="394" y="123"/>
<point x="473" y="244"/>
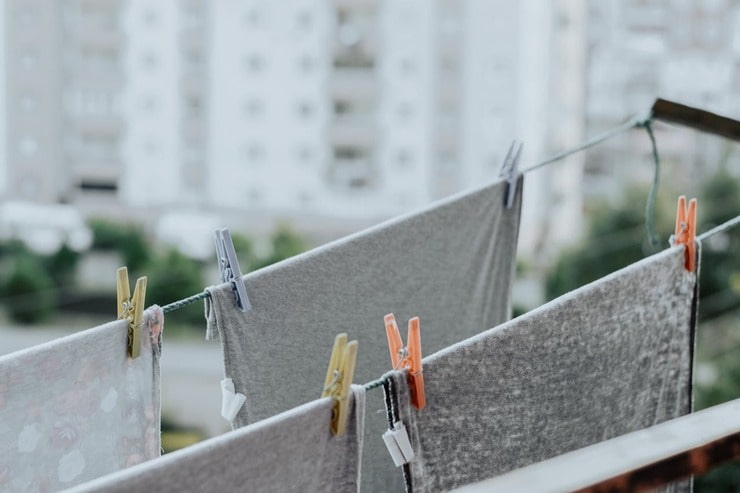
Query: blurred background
<point x="131" y="129"/>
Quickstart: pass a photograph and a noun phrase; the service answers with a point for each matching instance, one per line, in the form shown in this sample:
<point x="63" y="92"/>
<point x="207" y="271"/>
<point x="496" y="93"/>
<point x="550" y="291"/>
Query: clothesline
<point x="643" y="121"/>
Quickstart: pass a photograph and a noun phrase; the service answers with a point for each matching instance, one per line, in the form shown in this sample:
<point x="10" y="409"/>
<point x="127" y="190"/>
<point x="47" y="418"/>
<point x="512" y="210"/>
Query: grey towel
<point x="450" y="264"/>
<point x="293" y="451"/>
<point x="609" y="358"/>
<point x="78" y="408"/>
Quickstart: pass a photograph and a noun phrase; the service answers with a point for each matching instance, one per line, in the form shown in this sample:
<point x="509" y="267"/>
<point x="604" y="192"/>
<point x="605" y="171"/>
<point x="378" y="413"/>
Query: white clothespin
<point x="510" y="172"/>
<point x="398" y="444"/>
<point x="231" y="401"/>
<point x="229" y="268"/>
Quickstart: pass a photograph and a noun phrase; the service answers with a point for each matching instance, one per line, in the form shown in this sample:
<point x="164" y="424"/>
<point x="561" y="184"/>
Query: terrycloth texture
<point x="612" y="357"/>
<point x="450" y="264"/>
<point x="78" y="408"/>
<point x="294" y="451"/>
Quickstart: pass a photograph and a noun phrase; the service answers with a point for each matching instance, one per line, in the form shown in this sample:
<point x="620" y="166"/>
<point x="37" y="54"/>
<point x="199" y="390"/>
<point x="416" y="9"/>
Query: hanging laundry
<point x="609" y="358"/>
<point x="293" y="451"/>
<point x="78" y="408"/>
<point x="450" y="264"/>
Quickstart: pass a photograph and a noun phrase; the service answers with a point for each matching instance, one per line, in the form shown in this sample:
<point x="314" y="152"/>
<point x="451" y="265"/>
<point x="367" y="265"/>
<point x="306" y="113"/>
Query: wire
<point x="636" y="122"/>
<point x="720" y="229"/>
<point x="650" y="206"/>
<point x="176" y="305"/>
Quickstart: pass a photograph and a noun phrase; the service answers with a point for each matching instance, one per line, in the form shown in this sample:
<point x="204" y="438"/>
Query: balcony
<point x="354" y="84"/>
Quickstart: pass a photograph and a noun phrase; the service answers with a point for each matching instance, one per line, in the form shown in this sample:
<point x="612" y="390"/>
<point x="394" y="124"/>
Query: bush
<point x="285" y="244"/>
<point x="244" y="248"/>
<point x="106" y="234"/>
<point x="128" y="240"/>
<point x="30" y="291"/>
<point x="62" y="266"/>
<point x="172" y="277"/>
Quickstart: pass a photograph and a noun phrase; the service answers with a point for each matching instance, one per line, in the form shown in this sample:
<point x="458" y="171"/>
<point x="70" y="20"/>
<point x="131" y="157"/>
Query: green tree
<point x="129" y="240"/>
<point x="615" y="238"/>
<point x="720" y="201"/>
<point x="244" y="252"/>
<point x="62" y="266"/>
<point x="171" y="277"/>
<point x="285" y="244"/>
<point x="30" y="294"/>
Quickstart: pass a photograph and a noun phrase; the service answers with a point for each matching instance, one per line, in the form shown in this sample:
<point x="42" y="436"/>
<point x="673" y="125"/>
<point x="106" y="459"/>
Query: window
<point x="98" y="186"/>
<point x="151" y="18"/>
<point x="408" y="66"/>
<point x="307" y="63"/>
<point x="27" y="102"/>
<point x="304" y="20"/>
<point x="253" y="18"/>
<point x="99" y="145"/>
<point x="149" y="60"/>
<point x="305" y="154"/>
<point x="405" y="110"/>
<point x="255" y="63"/>
<point x="255" y="152"/>
<point x="404" y="158"/>
<point x="306" y="109"/>
<point x="254" y="108"/>
<point x="28" y="60"/>
<point x="28" y="146"/>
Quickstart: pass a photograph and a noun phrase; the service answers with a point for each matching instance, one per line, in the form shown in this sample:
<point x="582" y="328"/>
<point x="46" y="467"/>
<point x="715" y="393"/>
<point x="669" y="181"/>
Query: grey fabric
<point x="78" y="408"/>
<point x="450" y="264"/>
<point x="612" y="357"/>
<point x="291" y="452"/>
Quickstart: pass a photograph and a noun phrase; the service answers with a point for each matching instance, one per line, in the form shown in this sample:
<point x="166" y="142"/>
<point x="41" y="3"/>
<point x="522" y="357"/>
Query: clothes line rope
<point x="636" y="122"/>
<point x="176" y="305"/>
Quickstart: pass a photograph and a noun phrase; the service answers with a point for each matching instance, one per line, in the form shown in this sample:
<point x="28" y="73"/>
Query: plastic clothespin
<point x="685" y="233"/>
<point x="339" y="377"/>
<point x="131" y="308"/>
<point x="229" y="268"/>
<point x="407" y="357"/>
<point x="510" y="172"/>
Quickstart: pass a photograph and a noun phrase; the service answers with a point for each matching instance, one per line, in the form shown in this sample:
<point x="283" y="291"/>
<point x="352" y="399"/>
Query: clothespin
<point x="407" y="357"/>
<point x="229" y="268"/>
<point x="131" y="308"/>
<point x="510" y="172"/>
<point x="685" y="233"/>
<point x="338" y="379"/>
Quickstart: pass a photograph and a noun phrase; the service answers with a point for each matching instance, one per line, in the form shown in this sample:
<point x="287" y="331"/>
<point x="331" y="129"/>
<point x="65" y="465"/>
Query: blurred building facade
<point x="338" y="114"/>
<point x="683" y="50"/>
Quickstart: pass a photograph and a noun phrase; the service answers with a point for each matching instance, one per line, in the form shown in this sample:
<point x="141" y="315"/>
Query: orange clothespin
<point x="407" y="357"/>
<point x="685" y="233"/>
<point x="131" y="308"/>
<point x="338" y="380"/>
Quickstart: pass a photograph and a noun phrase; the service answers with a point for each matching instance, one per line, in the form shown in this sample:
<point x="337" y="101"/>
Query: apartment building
<point x="341" y="112"/>
<point x="684" y="50"/>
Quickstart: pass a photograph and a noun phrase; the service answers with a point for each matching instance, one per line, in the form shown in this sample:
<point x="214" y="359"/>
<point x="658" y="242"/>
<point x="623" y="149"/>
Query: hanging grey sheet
<point x="450" y="264"/>
<point x="293" y="451"/>
<point x="609" y="358"/>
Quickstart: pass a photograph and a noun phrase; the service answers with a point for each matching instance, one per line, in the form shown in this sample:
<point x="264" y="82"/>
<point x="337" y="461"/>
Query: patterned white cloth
<point x="78" y="408"/>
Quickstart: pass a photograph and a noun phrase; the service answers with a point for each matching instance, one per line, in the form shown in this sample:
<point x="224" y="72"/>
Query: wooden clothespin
<point x="407" y="357"/>
<point x="131" y="308"/>
<point x="229" y="268"/>
<point x="338" y="379"/>
<point x="685" y="233"/>
<point x="510" y="172"/>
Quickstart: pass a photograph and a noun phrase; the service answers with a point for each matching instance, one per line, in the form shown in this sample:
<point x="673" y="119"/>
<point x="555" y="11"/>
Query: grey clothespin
<point x="229" y="268"/>
<point x="510" y="172"/>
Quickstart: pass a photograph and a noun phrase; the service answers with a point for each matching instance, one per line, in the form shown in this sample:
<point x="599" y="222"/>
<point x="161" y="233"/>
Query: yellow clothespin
<point x="131" y="308"/>
<point x="338" y="379"/>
